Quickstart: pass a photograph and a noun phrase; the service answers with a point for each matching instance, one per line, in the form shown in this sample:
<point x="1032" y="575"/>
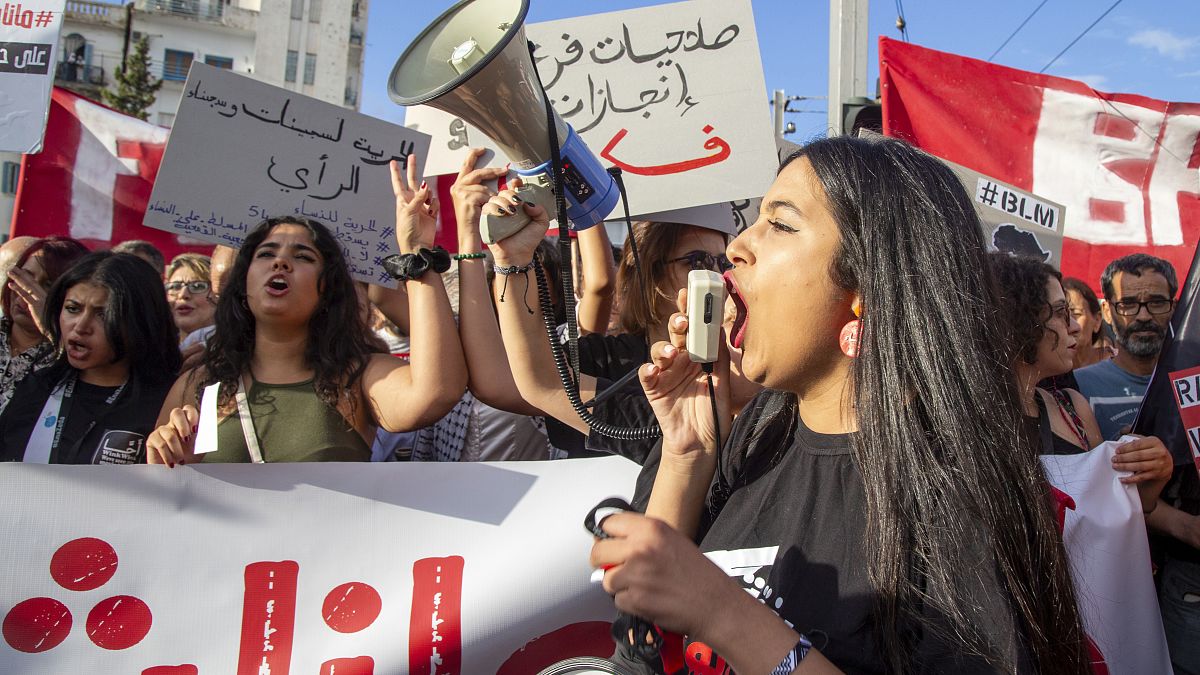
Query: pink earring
<point x="851" y="333"/>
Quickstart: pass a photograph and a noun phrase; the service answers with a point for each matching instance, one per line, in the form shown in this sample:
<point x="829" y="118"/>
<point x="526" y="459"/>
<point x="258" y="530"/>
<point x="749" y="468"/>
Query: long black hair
<point x="955" y="495"/>
<point x="339" y="341"/>
<point x="137" y="320"/>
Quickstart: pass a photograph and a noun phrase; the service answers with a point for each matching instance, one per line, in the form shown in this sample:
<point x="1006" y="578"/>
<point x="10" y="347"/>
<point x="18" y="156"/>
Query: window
<point x="314" y="11"/>
<point x="176" y="65"/>
<point x="222" y="62"/>
<point x="310" y="68"/>
<point x="289" y="73"/>
<point x="12" y="173"/>
<point x="297" y="9"/>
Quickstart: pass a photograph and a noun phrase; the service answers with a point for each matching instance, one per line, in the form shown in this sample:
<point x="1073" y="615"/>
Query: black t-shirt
<point x="611" y="356"/>
<point x="1182" y="492"/>
<point x="96" y="431"/>
<point x="793" y="533"/>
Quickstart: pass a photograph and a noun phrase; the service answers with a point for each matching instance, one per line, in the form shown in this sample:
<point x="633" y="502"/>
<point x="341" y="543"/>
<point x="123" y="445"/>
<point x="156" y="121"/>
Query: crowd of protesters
<point x="899" y="461"/>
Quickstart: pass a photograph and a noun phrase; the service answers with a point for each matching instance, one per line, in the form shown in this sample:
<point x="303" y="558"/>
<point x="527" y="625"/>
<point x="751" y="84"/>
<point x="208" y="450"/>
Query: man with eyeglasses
<point x="1139" y="292"/>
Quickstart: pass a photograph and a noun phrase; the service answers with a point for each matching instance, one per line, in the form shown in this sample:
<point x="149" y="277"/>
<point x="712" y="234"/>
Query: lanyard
<point x="248" y="425"/>
<point x="47" y="433"/>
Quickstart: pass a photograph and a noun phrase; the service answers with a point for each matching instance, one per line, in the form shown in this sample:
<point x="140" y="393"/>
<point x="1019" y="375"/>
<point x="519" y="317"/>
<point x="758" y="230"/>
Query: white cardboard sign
<point x="242" y="151"/>
<point x="673" y="94"/>
<point x="302" y="568"/>
<point x="28" y="50"/>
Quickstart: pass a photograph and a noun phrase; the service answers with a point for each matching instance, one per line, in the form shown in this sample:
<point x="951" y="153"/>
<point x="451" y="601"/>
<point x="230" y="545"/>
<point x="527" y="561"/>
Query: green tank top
<point x="293" y="425"/>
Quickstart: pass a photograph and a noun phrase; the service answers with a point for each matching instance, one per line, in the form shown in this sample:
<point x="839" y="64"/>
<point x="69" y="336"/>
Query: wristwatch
<point x="408" y="266"/>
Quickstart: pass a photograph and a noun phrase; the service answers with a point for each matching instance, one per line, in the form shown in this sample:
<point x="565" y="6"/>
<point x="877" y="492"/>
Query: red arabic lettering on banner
<point x="92" y="179"/>
<point x="1126" y="167"/>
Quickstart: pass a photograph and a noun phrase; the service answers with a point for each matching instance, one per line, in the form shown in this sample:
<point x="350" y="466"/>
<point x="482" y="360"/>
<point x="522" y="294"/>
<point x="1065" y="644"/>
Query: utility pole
<point x="780" y="105"/>
<point x="847" y="58"/>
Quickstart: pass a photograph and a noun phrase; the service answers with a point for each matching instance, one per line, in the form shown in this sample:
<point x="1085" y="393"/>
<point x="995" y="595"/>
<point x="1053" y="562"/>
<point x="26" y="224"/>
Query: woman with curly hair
<point x="299" y="375"/>
<point x="1042" y="339"/>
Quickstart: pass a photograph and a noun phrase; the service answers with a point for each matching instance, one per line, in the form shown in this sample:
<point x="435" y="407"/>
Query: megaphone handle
<point x="494" y="228"/>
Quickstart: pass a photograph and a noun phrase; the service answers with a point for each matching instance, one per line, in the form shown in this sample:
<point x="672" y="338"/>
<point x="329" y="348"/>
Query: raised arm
<point x="173" y="440"/>
<point x="406" y="396"/>
<point x="598" y="279"/>
<point x="488" y="374"/>
<point x="525" y="340"/>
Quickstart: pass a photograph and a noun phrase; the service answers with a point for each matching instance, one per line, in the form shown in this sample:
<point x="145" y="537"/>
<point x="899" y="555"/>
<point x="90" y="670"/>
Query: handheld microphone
<point x="705" y="311"/>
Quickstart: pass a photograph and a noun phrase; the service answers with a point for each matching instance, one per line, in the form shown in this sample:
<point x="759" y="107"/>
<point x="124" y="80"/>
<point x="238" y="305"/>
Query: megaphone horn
<point x="473" y="62"/>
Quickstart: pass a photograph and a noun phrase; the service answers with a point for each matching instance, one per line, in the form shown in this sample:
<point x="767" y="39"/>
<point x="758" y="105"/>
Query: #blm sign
<point x="667" y="93"/>
<point x="28" y="46"/>
<point x="1014" y="221"/>
<point x="242" y="151"/>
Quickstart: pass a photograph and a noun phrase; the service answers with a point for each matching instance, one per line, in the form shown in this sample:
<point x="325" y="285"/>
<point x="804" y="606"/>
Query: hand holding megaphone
<point x="531" y="219"/>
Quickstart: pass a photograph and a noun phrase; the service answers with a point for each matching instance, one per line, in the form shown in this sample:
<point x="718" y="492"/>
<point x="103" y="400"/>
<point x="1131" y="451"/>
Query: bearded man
<point x="1139" y="293"/>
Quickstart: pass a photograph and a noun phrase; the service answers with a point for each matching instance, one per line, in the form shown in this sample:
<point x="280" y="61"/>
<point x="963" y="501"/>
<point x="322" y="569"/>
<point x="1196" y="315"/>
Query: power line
<point x="1018" y="30"/>
<point x="1085" y="32"/>
<point x="901" y="21"/>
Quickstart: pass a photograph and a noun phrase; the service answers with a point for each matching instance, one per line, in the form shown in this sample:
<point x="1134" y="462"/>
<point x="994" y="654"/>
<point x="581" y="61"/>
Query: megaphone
<point x="473" y="62"/>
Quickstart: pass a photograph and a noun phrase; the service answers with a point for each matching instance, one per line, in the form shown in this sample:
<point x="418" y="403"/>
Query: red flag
<point x="93" y="178"/>
<point x="1126" y="167"/>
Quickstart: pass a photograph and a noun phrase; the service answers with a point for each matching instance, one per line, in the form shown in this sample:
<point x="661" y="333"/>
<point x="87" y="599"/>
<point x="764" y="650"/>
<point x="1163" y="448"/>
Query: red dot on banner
<point x="185" y="669"/>
<point x="37" y="625"/>
<point x="119" y="622"/>
<point x="351" y="607"/>
<point x="83" y="564"/>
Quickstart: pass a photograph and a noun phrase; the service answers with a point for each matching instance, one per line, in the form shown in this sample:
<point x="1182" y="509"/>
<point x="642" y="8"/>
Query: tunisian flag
<point x="1126" y="167"/>
<point x="92" y="179"/>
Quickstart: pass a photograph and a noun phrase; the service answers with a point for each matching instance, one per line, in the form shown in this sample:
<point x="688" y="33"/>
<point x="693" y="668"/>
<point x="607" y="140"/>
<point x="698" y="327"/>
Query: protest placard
<point x="1014" y="221"/>
<point x="302" y="568"/>
<point x="28" y="47"/>
<point x="673" y="94"/>
<point x="242" y="151"/>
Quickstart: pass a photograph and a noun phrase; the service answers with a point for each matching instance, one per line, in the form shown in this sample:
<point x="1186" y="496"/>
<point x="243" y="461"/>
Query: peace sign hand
<point x="416" y="208"/>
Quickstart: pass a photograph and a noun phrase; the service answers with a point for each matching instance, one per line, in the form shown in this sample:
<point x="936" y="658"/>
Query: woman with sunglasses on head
<point x="1042" y="339"/>
<point x="299" y="375"/>
<point x="117" y="355"/>
<point x="24" y="341"/>
<point x="873" y="499"/>
<point x="189" y="291"/>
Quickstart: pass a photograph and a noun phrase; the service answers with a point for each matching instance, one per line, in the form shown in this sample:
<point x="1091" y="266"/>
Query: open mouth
<point x="737" y="334"/>
<point x="77" y="350"/>
<point x="277" y="285"/>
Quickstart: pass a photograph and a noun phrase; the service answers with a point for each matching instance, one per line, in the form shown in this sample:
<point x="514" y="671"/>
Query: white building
<point x="314" y="47"/>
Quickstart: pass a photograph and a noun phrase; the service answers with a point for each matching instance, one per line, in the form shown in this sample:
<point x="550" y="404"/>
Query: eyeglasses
<point x="193" y="287"/>
<point x="1133" y="307"/>
<point x="1061" y="311"/>
<point x="703" y="260"/>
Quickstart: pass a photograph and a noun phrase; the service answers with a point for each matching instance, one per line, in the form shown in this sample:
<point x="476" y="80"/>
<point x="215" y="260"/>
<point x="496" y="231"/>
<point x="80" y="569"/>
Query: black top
<point x="802" y="511"/>
<point x="1042" y="435"/>
<point x="95" y="431"/>
<point x="1182" y="492"/>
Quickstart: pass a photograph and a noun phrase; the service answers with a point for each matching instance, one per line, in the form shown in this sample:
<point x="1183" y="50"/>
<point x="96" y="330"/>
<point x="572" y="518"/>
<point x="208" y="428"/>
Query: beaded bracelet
<point x="469" y="256"/>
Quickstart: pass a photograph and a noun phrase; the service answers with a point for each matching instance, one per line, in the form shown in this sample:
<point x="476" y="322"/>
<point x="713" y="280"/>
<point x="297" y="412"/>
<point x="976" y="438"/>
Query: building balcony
<point x="79" y="74"/>
<point x="212" y="12"/>
<point x="84" y="11"/>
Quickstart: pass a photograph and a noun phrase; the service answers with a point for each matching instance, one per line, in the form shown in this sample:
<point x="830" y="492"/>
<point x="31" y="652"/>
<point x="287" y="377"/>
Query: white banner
<point x="242" y="151"/>
<point x="302" y="568"/>
<point x="673" y="94"/>
<point x="28" y="50"/>
<point x="1105" y="535"/>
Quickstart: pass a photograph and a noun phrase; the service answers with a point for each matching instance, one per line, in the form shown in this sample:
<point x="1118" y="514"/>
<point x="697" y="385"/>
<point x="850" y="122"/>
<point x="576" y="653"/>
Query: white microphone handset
<point x="705" y="310"/>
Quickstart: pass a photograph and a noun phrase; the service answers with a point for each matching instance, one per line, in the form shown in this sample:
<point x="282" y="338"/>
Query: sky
<point x="1147" y="47"/>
